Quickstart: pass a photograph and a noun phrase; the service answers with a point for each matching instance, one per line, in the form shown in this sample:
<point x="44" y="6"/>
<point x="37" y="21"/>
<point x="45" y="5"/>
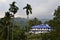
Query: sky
<point x="41" y="9"/>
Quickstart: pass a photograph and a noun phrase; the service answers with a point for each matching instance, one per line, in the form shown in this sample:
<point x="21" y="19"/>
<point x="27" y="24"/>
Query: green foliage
<point x="18" y="33"/>
<point x="6" y="25"/>
<point x="55" y="24"/>
<point x="56" y="21"/>
<point x="33" y="22"/>
<point x="28" y="10"/>
<point x="13" y="8"/>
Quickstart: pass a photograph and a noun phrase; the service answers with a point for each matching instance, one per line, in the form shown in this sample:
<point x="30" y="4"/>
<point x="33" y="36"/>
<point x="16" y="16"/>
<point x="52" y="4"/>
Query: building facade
<point x="42" y="28"/>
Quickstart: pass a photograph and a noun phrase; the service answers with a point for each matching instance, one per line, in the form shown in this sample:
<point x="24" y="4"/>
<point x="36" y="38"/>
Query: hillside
<point x="20" y="21"/>
<point x="23" y="21"/>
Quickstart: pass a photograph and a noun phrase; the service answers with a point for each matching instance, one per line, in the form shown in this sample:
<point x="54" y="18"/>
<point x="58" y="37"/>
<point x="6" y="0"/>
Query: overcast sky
<point x="42" y="9"/>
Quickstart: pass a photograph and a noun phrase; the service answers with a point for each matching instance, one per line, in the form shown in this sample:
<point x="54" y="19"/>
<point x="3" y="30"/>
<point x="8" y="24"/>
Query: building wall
<point x="36" y="31"/>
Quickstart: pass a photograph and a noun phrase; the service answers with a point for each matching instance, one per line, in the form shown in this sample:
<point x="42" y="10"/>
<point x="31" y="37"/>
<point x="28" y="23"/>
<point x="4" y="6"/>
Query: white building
<point x="42" y="28"/>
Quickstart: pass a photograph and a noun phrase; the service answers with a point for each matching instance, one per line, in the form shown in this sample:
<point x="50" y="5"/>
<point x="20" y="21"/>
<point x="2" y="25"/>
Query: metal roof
<point x="42" y="26"/>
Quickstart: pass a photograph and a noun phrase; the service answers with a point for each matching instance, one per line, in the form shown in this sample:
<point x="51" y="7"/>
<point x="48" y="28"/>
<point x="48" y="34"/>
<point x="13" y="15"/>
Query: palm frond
<point x="30" y="11"/>
<point x="24" y="7"/>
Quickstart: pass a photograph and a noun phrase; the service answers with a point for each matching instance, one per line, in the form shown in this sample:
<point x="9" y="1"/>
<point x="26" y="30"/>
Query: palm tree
<point x="7" y="18"/>
<point x="6" y="24"/>
<point x="28" y="10"/>
<point x="13" y="8"/>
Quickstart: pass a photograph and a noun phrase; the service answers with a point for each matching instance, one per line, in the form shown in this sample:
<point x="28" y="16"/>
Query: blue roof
<point x="41" y="26"/>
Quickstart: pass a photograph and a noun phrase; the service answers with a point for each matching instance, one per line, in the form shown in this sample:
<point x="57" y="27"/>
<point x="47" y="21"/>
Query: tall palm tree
<point x="6" y="24"/>
<point x="13" y="8"/>
<point x="28" y="10"/>
<point x="8" y="17"/>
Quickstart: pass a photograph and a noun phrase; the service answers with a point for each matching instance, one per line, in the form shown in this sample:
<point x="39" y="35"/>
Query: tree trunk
<point x="13" y="29"/>
<point x="8" y="33"/>
<point x="27" y="17"/>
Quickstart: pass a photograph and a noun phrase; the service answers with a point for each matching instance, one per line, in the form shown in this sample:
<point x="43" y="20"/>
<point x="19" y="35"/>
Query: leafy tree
<point x="13" y="8"/>
<point x="56" y="19"/>
<point x="28" y="10"/>
<point x="57" y="14"/>
<point x="18" y="33"/>
<point x="34" y="21"/>
<point x="55" y="24"/>
<point x="5" y="23"/>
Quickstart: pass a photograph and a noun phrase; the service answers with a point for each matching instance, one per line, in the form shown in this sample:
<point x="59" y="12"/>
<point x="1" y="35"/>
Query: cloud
<point x="45" y="9"/>
<point x="40" y="8"/>
<point x="3" y="0"/>
<point x="21" y="15"/>
<point x="2" y="14"/>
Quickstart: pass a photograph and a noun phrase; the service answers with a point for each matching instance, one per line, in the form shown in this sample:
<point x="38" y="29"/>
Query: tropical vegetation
<point x="9" y="30"/>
